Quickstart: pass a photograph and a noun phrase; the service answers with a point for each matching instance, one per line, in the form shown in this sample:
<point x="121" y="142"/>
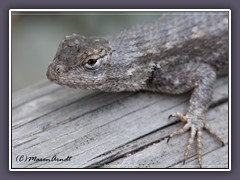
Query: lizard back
<point x="176" y="37"/>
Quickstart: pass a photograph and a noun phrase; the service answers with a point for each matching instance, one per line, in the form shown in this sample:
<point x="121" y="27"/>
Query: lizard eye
<point x="92" y="63"/>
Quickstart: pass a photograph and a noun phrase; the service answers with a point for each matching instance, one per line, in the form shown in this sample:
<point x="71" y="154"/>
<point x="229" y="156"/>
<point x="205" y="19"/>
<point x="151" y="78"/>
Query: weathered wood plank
<point x="43" y="105"/>
<point x="94" y="128"/>
<point x="218" y="158"/>
<point x="162" y="154"/>
<point x="32" y="92"/>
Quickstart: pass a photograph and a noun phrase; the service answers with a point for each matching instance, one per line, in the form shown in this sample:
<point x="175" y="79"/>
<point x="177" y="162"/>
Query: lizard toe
<point x="196" y="126"/>
<point x="178" y="116"/>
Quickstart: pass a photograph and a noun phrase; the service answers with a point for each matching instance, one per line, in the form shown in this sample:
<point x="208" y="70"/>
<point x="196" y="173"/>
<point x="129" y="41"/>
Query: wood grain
<point x="110" y="130"/>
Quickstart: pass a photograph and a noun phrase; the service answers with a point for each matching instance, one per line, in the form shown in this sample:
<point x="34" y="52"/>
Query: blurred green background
<point x="35" y="37"/>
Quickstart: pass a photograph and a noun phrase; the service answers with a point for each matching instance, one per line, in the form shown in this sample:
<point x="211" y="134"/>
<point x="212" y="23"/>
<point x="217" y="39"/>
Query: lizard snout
<point x="51" y="73"/>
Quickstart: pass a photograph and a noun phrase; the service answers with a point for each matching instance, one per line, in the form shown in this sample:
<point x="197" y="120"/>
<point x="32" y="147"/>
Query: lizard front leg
<point x="200" y="78"/>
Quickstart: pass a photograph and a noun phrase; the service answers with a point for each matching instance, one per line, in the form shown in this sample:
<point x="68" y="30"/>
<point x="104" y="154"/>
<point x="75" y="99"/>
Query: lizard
<point x="176" y="53"/>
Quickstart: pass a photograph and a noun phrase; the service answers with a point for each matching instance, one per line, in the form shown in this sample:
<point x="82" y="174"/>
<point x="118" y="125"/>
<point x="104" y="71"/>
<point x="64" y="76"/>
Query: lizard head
<point x="80" y="62"/>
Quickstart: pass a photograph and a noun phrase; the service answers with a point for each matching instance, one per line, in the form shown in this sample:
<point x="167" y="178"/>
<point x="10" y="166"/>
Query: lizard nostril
<point x="59" y="69"/>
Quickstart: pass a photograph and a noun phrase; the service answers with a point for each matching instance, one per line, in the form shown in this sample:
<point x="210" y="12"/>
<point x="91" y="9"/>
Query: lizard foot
<point x="196" y="125"/>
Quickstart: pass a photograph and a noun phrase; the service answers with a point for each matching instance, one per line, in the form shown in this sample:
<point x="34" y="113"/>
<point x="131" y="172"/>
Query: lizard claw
<point x="179" y="116"/>
<point x="170" y="116"/>
<point x="168" y="139"/>
<point x="196" y="126"/>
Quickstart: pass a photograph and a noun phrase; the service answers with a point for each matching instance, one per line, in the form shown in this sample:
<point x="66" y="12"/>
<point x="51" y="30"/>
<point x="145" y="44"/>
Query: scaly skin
<point x="176" y="53"/>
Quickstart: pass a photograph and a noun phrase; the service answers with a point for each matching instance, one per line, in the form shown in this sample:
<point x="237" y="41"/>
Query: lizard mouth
<point x="51" y="74"/>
